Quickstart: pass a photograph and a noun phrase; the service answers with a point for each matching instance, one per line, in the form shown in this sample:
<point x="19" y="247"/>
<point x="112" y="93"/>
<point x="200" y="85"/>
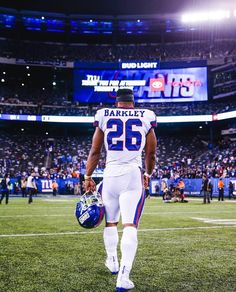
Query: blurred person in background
<point x="164" y="186"/>
<point x="221" y="186"/>
<point x="206" y="189"/>
<point x="181" y="187"/>
<point x="23" y="185"/>
<point x="31" y="187"/>
<point x="210" y="189"/>
<point x="231" y="189"/>
<point x="5" y="188"/>
<point x="54" y="188"/>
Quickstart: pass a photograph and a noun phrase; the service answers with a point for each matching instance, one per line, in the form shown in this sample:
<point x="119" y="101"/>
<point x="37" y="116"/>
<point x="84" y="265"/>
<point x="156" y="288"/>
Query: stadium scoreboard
<point x="152" y="82"/>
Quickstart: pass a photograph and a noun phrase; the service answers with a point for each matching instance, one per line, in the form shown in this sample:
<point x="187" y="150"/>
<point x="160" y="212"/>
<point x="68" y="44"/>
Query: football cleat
<point x="123" y="285"/>
<point x="112" y="264"/>
<point x="90" y="210"/>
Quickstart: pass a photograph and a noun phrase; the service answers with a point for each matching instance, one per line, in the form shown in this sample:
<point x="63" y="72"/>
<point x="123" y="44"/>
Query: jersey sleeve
<point x="151" y="121"/>
<point x="99" y="119"/>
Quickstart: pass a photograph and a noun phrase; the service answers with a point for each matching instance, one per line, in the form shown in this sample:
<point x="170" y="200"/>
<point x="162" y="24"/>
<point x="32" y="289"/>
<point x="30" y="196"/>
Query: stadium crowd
<point x="60" y="157"/>
<point x="59" y="53"/>
<point x="65" y="108"/>
<point x="23" y="92"/>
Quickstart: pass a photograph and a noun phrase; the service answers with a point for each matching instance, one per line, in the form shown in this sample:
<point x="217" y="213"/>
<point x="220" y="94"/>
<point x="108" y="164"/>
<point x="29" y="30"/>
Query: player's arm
<point x="150" y="156"/>
<point x="93" y="159"/>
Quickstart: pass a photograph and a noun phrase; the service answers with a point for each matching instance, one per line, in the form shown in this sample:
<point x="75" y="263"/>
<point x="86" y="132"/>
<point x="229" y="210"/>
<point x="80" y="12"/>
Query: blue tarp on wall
<point x="193" y="186"/>
<point x="65" y="186"/>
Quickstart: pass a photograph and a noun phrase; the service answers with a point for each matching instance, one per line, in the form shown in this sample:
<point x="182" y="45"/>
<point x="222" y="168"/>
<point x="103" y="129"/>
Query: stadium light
<point x="2" y="80"/>
<point x="90" y="20"/>
<point x="22" y="129"/>
<point x="22" y="84"/>
<point x="42" y="17"/>
<point x="54" y="83"/>
<point x="4" y="73"/>
<point x="138" y="20"/>
<point x="43" y="88"/>
<point x="27" y="67"/>
<point x="46" y="133"/>
<point x="67" y="119"/>
<point x="216" y="15"/>
<point x="227" y="115"/>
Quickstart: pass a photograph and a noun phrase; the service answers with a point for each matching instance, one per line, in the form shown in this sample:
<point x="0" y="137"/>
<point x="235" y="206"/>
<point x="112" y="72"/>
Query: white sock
<point x="110" y="237"/>
<point x="128" y="246"/>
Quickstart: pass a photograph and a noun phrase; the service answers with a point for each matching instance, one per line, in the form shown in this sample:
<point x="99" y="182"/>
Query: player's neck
<point x="125" y="105"/>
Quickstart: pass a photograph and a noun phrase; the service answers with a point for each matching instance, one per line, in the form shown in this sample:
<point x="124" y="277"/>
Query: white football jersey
<point x="125" y="133"/>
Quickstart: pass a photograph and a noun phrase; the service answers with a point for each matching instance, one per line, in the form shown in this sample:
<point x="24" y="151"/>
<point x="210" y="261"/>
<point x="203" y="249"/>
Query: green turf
<point x="171" y="259"/>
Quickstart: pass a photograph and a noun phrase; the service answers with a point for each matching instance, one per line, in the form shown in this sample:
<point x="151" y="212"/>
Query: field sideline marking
<point x="183" y="212"/>
<point x="37" y="215"/>
<point x="101" y="232"/>
<point x="144" y="213"/>
<point x="216" y="221"/>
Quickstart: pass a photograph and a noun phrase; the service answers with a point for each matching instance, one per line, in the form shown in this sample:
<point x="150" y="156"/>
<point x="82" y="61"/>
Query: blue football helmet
<point x="90" y="210"/>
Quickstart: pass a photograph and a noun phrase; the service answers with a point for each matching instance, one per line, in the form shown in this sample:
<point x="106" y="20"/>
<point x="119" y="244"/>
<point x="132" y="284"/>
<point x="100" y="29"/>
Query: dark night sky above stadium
<point x="114" y="7"/>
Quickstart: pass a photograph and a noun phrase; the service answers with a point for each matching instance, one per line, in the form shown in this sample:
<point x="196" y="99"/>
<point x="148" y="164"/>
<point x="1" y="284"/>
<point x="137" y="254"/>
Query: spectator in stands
<point x="221" y="186"/>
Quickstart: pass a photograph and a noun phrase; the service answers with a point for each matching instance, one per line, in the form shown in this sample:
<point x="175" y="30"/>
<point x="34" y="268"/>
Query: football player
<point x="125" y="131"/>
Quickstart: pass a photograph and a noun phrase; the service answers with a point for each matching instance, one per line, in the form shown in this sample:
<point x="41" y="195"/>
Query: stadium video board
<point x="149" y="84"/>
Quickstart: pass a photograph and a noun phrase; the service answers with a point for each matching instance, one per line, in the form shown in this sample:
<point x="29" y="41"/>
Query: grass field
<point x="181" y="248"/>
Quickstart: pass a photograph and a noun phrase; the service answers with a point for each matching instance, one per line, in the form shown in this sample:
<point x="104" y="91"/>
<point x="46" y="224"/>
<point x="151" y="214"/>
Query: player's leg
<point x="112" y="214"/>
<point x="131" y="205"/>
<point x="111" y="239"/>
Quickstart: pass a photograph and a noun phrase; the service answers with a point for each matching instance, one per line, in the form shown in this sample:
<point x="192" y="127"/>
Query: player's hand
<point x="89" y="185"/>
<point x="146" y="181"/>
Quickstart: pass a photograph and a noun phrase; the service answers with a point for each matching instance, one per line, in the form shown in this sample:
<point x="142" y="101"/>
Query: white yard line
<point x="193" y="212"/>
<point x="100" y="231"/>
<point x="57" y="200"/>
<point x="36" y="207"/>
<point x="42" y="215"/>
<point x="144" y="213"/>
<point x="216" y="221"/>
